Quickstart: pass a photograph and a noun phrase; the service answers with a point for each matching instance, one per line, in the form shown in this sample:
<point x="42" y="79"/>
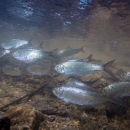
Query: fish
<point x="78" y="68"/>
<point x="87" y="98"/>
<point x="80" y="85"/>
<point x="29" y="55"/>
<point x="38" y="70"/>
<point x="69" y="52"/>
<point x="89" y="58"/>
<point x="11" y="71"/>
<point x="14" y="43"/>
<point x="117" y="86"/>
<point x="4" y="52"/>
<point x="126" y="76"/>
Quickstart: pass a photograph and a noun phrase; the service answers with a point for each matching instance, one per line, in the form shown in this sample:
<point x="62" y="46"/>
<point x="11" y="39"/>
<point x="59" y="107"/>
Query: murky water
<point x="101" y="31"/>
<point x="101" y="27"/>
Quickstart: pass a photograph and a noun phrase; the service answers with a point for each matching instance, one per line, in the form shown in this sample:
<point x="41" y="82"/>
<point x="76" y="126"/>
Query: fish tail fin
<point x="40" y="45"/>
<point x="108" y="64"/>
<point x="81" y="49"/>
<point x="106" y="68"/>
<point x="116" y="97"/>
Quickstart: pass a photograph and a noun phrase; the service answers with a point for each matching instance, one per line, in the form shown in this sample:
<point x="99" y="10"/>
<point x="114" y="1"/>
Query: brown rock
<point x="4" y="121"/>
<point x="24" y="117"/>
<point x="91" y="78"/>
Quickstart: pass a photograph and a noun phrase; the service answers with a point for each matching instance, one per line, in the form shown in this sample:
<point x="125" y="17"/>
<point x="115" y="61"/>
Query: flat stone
<point x="4" y="121"/>
<point x="24" y="117"/>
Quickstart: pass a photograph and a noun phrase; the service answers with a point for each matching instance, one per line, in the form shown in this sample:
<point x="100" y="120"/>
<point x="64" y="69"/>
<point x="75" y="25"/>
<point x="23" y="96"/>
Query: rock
<point x="51" y="118"/>
<point x="61" y="78"/>
<point x="24" y="117"/>
<point x="102" y="82"/>
<point x="50" y="107"/>
<point x="4" y="121"/>
<point x="91" y="78"/>
<point x="60" y="123"/>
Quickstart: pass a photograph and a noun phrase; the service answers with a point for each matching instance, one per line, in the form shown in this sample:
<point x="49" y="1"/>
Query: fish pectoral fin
<point x="117" y="97"/>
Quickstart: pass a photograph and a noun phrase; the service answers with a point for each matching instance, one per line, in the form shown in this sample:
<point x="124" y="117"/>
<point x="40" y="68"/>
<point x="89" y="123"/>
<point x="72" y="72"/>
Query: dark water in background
<point x="101" y="26"/>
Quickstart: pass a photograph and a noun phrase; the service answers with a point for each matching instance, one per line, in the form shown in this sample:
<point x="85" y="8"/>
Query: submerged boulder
<point x="24" y="117"/>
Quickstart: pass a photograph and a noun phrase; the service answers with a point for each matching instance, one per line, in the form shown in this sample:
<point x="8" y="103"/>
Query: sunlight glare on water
<point x="99" y="29"/>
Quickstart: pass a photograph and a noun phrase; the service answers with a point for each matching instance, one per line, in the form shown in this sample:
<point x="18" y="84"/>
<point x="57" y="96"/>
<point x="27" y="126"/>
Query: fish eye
<point x="62" y="68"/>
<point x="57" y="66"/>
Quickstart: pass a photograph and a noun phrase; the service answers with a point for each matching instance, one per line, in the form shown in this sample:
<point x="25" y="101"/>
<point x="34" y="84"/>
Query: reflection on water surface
<point x="103" y="31"/>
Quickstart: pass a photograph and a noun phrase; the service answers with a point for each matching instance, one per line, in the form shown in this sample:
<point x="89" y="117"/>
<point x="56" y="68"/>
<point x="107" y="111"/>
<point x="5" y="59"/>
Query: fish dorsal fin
<point x="89" y="57"/>
<point x="68" y="47"/>
<point x="30" y="40"/>
<point x="55" y="50"/>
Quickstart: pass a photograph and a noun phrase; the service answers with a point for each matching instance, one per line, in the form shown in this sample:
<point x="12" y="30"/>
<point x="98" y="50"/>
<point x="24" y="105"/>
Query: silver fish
<point x="89" y="58"/>
<point x="77" y="68"/>
<point x="80" y="85"/>
<point x="82" y="97"/>
<point x="13" y="43"/>
<point x="117" y="86"/>
<point x="69" y="52"/>
<point x="38" y="70"/>
<point x="126" y="76"/>
<point x="29" y="55"/>
<point x="4" y="52"/>
<point x="9" y="70"/>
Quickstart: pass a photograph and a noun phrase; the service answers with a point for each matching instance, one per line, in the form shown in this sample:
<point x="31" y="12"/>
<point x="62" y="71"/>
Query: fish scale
<point x="13" y="43"/>
<point x="29" y="55"/>
<point x="77" y="68"/>
<point x="80" y="85"/>
<point x="83" y="97"/>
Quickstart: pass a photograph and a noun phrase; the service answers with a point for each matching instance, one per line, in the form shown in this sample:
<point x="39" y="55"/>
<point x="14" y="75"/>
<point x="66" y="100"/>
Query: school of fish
<point x="71" y="91"/>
